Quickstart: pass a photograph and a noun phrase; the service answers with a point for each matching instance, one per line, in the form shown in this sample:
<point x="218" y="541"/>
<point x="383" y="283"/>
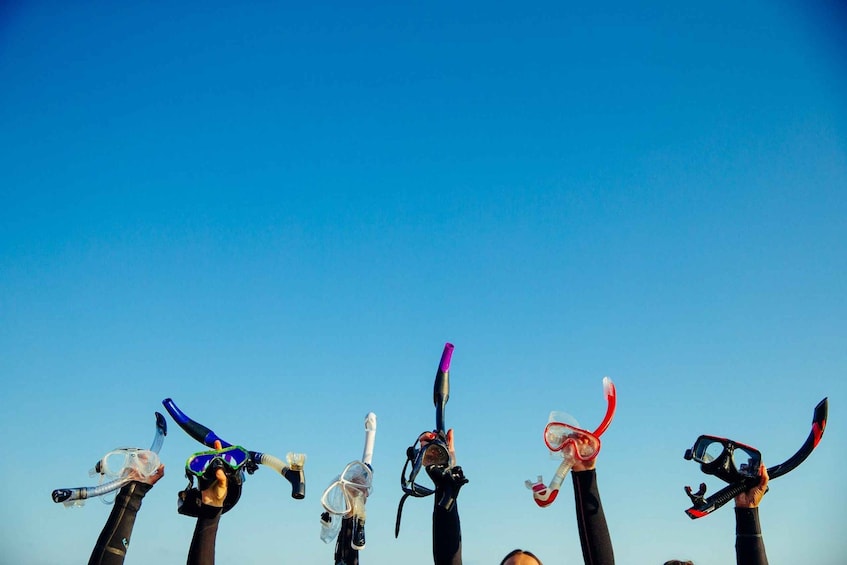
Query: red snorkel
<point x="574" y="444"/>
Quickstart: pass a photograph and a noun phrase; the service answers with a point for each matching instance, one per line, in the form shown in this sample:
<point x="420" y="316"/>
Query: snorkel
<point x="433" y="456"/>
<point x="717" y="457"/>
<point x="573" y="443"/>
<point x="292" y="471"/>
<point x="344" y="499"/>
<point x="117" y="465"/>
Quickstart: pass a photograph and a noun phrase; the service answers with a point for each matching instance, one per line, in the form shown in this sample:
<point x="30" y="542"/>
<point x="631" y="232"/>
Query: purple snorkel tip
<point x="441" y="390"/>
<point x="444" y="365"/>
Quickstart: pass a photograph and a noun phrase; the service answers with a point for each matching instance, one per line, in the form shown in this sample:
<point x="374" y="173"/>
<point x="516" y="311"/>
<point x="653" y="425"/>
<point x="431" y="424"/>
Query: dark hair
<point x="678" y="562"/>
<point x="520" y="552"/>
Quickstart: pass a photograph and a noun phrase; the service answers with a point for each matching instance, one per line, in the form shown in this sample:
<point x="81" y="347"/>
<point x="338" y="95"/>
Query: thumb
<point x="451" y="447"/>
<point x="221" y="477"/>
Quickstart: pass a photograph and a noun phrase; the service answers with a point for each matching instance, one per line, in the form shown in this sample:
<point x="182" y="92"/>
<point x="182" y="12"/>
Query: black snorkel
<point x="434" y="457"/>
<point x="741" y="478"/>
<point x="189" y="498"/>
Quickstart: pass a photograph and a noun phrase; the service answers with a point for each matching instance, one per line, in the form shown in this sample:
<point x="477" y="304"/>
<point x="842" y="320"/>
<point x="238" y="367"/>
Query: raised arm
<point x="591" y="521"/>
<point x="113" y="542"/>
<point x="202" y="549"/>
<point x="446" y="527"/>
<point x="749" y="545"/>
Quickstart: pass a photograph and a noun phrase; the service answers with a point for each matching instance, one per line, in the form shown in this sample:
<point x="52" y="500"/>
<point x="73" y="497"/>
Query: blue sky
<point x="277" y="215"/>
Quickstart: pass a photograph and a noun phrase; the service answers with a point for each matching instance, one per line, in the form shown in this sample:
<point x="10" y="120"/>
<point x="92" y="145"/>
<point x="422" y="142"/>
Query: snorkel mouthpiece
<point x="61" y="494"/>
<point x="545" y="495"/>
<point x="294" y="474"/>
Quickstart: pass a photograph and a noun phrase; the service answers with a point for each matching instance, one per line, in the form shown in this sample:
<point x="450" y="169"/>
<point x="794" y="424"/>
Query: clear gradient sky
<point x="278" y="213"/>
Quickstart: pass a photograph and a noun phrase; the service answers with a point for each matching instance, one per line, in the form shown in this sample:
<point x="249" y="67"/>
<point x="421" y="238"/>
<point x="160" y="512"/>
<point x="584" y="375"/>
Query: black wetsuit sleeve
<point x="446" y="534"/>
<point x="344" y="552"/>
<point x="749" y="545"/>
<point x="202" y="550"/>
<point x="113" y="542"/>
<point x="591" y="521"/>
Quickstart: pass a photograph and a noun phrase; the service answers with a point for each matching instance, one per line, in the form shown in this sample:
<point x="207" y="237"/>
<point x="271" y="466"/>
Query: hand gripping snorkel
<point x="739" y="464"/>
<point x="434" y="456"/>
<point x="572" y="443"/>
<point x="234" y="468"/>
<point x="117" y="466"/>
<point x="345" y="498"/>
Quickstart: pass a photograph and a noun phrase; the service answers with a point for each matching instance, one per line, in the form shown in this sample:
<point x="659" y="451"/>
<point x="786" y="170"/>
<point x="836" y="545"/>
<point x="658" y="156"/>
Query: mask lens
<point x="357" y="475"/>
<point x="583" y="445"/>
<point x="198" y="463"/>
<point x="114" y="463"/>
<point x="586" y="446"/>
<point x="334" y="500"/>
<point x="353" y="472"/>
<point x="435" y="454"/>
<point x="708" y="449"/>
<point x="557" y="434"/>
<point x="234" y="457"/>
<point x="747" y="461"/>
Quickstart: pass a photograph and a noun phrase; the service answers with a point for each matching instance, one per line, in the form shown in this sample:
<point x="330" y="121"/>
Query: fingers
<point x="451" y="447"/>
<point x="160" y="472"/>
<point x="425" y="438"/>
<point x="221" y="477"/>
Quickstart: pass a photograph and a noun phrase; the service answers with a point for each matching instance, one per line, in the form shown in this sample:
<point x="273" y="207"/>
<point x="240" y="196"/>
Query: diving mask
<point x="118" y="463"/>
<point x="233" y="460"/>
<point x="355" y="481"/>
<point x="726" y="459"/>
<point x="571" y="440"/>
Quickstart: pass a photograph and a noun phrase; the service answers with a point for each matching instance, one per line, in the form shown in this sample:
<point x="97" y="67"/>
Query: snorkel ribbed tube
<point x="76" y="496"/>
